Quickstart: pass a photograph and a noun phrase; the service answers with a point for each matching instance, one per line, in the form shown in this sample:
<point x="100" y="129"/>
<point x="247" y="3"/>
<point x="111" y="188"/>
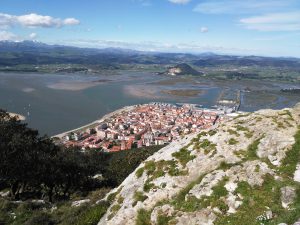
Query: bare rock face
<point x="209" y="181"/>
<point x="209" y="177"/>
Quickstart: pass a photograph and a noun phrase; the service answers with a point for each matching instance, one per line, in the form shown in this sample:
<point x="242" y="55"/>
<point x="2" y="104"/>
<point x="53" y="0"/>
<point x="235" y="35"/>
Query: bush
<point x="291" y="160"/>
<point x="123" y="163"/>
<point x="139" y="197"/>
<point x="40" y="218"/>
<point x="232" y="141"/>
<point x="183" y="156"/>
<point x="143" y="217"/>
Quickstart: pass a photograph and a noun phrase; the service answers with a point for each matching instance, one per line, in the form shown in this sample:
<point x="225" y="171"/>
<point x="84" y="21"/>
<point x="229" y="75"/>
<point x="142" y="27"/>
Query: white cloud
<point x="289" y="21"/>
<point x="151" y="46"/>
<point x="203" y="29"/>
<point x="5" y="20"/>
<point x="33" y="35"/>
<point x="71" y="21"/>
<point x="241" y="6"/>
<point x="8" y="36"/>
<point x="34" y="20"/>
<point x="179" y="1"/>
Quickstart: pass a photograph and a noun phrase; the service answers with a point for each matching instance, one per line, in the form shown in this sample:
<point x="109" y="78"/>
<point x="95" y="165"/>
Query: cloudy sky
<point x="260" y="27"/>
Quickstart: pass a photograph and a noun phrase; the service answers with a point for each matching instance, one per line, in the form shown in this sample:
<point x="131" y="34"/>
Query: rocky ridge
<point x="240" y="172"/>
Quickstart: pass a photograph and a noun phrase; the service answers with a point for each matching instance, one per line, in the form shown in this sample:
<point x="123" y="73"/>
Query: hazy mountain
<point x="32" y="52"/>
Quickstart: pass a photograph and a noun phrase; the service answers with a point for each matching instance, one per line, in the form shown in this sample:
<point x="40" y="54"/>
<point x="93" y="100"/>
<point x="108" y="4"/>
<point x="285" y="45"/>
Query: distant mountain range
<point x="35" y="53"/>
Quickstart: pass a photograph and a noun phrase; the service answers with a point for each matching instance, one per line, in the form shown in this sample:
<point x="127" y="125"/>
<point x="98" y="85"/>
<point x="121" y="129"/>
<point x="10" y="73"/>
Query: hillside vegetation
<point x="242" y="172"/>
<point x="41" y="183"/>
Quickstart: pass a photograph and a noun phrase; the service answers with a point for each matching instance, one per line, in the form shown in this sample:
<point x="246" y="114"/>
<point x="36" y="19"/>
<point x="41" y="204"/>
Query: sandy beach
<point x="75" y="85"/>
<point x="183" y="92"/>
<point x="142" y="91"/>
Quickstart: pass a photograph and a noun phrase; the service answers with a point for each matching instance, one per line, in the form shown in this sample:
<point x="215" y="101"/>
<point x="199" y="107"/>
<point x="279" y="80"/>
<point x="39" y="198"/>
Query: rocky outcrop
<point x="182" y="69"/>
<point x="216" y="175"/>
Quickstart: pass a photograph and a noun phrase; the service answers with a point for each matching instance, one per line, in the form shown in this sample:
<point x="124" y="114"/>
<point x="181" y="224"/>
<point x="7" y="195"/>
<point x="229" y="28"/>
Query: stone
<point x="38" y="202"/>
<point x="80" y="202"/>
<point x="4" y="193"/>
<point x="288" y="195"/>
<point x="297" y="223"/>
<point x="231" y="186"/>
<point x="232" y="203"/>
<point x="297" y="174"/>
<point x="269" y="215"/>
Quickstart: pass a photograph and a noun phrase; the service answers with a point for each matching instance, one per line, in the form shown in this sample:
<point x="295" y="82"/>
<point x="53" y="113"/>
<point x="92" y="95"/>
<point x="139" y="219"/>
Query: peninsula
<point x="141" y="125"/>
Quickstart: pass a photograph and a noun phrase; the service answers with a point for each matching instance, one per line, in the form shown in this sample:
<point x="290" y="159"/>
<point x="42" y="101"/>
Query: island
<point x="182" y="69"/>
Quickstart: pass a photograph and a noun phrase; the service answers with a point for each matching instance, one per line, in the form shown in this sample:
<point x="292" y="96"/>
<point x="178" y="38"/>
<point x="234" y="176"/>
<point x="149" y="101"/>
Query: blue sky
<point x="244" y="27"/>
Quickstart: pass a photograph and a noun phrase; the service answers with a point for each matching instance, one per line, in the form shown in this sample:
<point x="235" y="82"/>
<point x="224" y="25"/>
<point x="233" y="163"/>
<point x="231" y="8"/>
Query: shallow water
<point x="53" y="111"/>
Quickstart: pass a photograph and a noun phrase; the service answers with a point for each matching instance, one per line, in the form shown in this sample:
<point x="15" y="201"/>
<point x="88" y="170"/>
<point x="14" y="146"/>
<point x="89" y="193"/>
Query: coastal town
<point x="142" y="125"/>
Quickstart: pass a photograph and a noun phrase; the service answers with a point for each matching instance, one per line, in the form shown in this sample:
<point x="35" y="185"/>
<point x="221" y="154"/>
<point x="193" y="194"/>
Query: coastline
<point x="19" y="116"/>
<point x="106" y="116"/>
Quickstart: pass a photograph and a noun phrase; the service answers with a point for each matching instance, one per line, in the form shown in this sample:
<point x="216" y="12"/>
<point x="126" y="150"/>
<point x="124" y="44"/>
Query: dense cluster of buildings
<point x="143" y="125"/>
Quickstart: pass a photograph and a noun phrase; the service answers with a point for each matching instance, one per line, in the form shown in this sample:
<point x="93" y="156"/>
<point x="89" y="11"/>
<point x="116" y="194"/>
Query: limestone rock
<point x="165" y="210"/>
<point x="80" y="202"/>
<point x="246" y="149"/>
<point x="202" y="217"/>
<point x="288" y="195"/>
<point x="297" y="174"/>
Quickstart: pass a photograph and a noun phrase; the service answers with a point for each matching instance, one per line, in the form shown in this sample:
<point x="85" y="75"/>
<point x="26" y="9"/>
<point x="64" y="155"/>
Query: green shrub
<point x="183" y="156"/>
<point x="233" y="132"/>
<point x="143" y="217"/>
<point x="241" y="128"/>
<point x="92" y="215"/>
<point x="192" y="204"/>
<point x="138" y="197"/>
<point x="289" y="163"/>
<point x="148" y="186"/>
<point x="219" y="190"/>
<point x="150" y="167"/>
<point x="40" y="218"/>
<point x="232" y="141"/>
<point x="120" y="200"/>
<point x="139" y="172"/>
<point x="252" y="149"/>
<point x="163" y="219"/>
<point x="212" y="132"/>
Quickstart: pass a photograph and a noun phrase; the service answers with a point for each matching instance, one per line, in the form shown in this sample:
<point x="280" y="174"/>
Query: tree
<point x="22" y="154"/>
